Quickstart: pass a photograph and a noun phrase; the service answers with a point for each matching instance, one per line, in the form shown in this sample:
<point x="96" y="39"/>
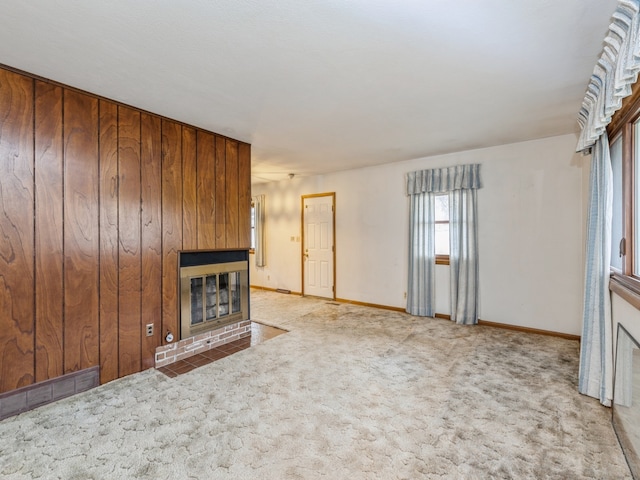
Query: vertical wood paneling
<point x="16" y="232"/>
<point x="232" y="201"/>
<point x="206" y="190"/>
<point x="108" y="241"/>
<point x="151" y="235"/>
<point x="92" y="221"/>
<point x="49" y="221"/>
<point x="81" y="247"/>
<point x="189" y="206"/>
<point x="244" y="195"/>
<point x="171" y="223"/>
<point x="220" y="193"/>
<point x="129" y="254"/>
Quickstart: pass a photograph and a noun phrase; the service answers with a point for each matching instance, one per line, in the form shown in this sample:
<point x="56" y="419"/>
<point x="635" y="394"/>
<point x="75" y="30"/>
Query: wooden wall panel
<point x="206" y="197"/>
<point x="151" y="235"/>
<point x="171" y="224"/>
<point x="220" y="193"/>
<point x="232" y="202"/>
<point x="49" y="223"/>
<point x="244" y="195"/>
<point x="108" y="184"/>
<point x="189" y="176"/>
<point x="96" y="201"/>
<point x="129" y="254"/>
<point x="81" y="248"/>
<point x="16" y="231"/>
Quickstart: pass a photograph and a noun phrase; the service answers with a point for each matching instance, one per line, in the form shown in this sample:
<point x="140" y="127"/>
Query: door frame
<point x="333" y="219"/>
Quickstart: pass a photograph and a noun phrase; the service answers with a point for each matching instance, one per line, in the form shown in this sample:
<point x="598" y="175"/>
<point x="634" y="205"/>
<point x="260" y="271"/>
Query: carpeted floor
<point x="349" y="393"/>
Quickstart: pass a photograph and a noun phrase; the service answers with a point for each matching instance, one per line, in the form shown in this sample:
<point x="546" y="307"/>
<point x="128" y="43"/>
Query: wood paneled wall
<point x="96" y="201"/>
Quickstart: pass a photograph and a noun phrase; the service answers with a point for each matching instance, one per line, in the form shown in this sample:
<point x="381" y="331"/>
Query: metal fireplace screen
<point x="626" y="392"/>
<point x="212" y="296"/>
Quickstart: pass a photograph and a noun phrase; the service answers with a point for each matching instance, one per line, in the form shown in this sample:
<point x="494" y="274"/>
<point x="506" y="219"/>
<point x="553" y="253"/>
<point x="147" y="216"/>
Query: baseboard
<point x="518" y="328"/>
<point x="374" y="305"/>
<point x="277" y="290"/>
<point x="445" y="316"/>
<point x="48" y="391"/>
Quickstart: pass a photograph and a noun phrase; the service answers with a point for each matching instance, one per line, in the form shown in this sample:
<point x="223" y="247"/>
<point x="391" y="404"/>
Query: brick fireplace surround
<point x="168" y="354"/>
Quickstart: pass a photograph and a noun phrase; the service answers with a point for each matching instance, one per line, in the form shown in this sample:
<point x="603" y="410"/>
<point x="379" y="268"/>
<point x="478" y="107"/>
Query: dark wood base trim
<point x="48" y="391"/>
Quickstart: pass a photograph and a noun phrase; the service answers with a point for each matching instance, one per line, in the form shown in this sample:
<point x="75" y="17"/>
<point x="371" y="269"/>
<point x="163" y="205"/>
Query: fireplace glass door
<point x="212" y="295"/>
<point x="626" y="399"/>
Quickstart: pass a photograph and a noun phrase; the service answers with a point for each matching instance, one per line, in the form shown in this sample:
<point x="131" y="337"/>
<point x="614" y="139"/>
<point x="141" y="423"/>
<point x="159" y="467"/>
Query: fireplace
<point x="214" y="290"/>
<point x="626" y="394"/>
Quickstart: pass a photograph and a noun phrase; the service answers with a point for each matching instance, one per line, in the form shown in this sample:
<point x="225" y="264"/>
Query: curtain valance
<point x="443" y="180"/>
<point x="614" y="74"/>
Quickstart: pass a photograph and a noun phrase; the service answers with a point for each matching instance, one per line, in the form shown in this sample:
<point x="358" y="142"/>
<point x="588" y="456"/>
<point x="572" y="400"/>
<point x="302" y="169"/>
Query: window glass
<point x="636" y="210"/>
<point x="617" y="221"/>
<point x="253" y="227"/>
<point x="442" y="224"/>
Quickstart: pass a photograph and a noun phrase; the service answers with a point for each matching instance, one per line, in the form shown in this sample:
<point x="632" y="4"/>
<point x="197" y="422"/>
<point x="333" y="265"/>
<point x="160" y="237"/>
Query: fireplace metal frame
<point x="626" y="409"/>
<point x="187" y="273"/>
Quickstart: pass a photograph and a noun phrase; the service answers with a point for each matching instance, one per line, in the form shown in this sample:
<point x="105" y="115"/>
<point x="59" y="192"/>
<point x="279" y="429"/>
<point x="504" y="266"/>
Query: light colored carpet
<point x="349" y="393"/>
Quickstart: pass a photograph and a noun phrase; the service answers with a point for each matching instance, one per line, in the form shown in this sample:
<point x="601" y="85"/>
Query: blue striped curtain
<point x="461" y="183"/>
<point x="422" y="256"/>
<point x="463" y="256"/>
<point x="260" y="246"/>
<point x="596" y="345"/>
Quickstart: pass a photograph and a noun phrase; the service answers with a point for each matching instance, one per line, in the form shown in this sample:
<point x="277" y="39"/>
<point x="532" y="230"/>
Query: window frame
<point x="626" y="283"/>
<point x="440" y="258"/>
<point x="252" y="227"/>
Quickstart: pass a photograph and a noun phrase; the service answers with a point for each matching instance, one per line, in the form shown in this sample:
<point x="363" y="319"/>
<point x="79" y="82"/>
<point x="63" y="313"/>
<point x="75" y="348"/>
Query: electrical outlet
<point x="405" y="294"/>
<point x="149" y="329"/>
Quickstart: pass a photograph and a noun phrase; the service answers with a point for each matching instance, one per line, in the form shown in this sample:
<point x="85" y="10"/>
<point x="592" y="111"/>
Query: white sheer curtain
<point x="461" y="183"/>
<point x="463" y="255"/>
<point x="259" y="212"/>
<point x="596" y="345"/>
<point x="422" y="255"/>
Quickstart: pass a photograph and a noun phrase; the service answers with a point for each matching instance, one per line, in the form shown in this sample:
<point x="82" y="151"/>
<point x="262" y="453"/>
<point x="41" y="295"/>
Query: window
<point x="442" y="229"/>
<point x="252" y="248"/>
<point x="616" y="224"/>
<point x="624" y="146"/>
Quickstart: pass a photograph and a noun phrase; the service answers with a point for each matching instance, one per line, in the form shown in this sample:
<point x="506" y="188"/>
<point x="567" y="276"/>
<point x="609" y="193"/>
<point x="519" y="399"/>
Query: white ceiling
<point x="323" y="85"/>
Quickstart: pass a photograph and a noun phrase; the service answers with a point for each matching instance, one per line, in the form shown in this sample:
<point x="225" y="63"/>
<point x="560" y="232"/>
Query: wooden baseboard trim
<point x="277" y="290"/>
<point x="517" y="328"/>
<point x="374" y="305"/>
<point x="445" y="316"/>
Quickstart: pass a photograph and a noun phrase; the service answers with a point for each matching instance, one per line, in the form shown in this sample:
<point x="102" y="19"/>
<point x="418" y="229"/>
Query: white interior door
<point x="318" y="250"/>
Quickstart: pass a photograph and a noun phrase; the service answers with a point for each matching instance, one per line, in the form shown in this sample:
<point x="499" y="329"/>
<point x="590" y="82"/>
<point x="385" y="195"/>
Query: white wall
<point x="626" y="314"/>
<point x="530" y="233"/>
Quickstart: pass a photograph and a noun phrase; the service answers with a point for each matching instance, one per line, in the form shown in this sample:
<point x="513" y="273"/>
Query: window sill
<point x="626" y="287"/>
<point x="442" y="259"/>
